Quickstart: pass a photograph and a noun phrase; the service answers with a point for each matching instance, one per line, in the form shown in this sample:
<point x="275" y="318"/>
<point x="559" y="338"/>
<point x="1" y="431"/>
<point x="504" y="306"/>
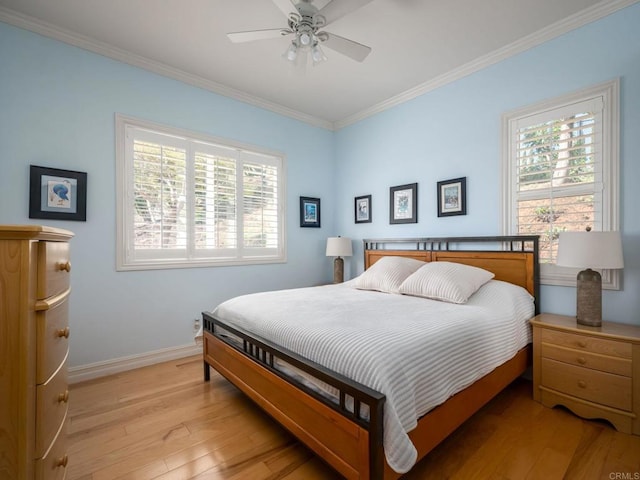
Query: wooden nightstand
<point x="593" y="371"/>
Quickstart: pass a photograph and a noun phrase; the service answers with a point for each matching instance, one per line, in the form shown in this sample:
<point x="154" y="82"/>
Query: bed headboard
<point x="512" y="259"/>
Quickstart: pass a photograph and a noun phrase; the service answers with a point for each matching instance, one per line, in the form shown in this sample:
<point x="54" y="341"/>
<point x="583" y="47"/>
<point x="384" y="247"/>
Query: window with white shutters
<point x="561" y="166"/>
<point x="185" y="200"/>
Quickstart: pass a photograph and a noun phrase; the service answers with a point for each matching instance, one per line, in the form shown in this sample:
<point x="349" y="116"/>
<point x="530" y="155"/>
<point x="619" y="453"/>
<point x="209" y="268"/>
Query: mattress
<point x="417" y="352"/>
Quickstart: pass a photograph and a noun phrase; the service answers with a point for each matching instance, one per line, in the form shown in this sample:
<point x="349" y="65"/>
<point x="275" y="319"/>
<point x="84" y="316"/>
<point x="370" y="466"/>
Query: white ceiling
<point x="416" y="45"/>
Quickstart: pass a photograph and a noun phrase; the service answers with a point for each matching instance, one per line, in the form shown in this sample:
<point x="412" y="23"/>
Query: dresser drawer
<point x="580" y="358"/>
<point x="52" y="335"/>
<point x="53" y="466"/>
<point x="586" y="343"/>
<point x="52" y="400"/>
<point x="54" y="267"/>
<point x="599" y="387"/>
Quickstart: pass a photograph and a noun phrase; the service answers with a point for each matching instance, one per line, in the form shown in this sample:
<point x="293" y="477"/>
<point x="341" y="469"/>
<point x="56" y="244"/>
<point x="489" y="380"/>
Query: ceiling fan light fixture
<point x="317" y="55"/>
<point x="304" y="38"/>
<point x="291" y="53"/>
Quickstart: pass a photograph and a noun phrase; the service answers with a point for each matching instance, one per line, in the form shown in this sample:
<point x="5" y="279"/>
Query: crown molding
<point x="66" y="36"/>
<point x="596" y="12"/>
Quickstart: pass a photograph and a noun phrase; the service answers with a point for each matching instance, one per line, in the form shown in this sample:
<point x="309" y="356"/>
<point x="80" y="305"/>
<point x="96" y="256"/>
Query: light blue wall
<point x="57" y="106"/>
<point x="454" y="131"/>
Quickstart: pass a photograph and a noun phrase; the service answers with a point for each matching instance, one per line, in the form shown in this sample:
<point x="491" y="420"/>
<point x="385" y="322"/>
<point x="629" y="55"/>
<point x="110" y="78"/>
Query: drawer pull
<point x="63" y="397"/>
<point x="582" y="384"/>
<point x="582" y="343"/>
<point x="64" y="267"/>
<point x="582" y="360"/>
<point x="62" y="461"/>
<point x="63" y="332"/>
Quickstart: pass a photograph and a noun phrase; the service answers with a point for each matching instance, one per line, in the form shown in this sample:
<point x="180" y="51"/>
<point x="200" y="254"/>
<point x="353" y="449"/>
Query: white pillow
<point x="387" y="274"/>
<point x="446" y="281"/>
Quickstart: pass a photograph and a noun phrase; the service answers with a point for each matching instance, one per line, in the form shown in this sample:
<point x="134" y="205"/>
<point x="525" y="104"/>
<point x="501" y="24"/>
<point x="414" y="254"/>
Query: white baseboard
<point x="122" y="364"/>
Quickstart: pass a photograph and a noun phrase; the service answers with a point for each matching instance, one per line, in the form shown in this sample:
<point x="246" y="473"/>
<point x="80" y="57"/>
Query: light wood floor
<point x="165" y="422"/>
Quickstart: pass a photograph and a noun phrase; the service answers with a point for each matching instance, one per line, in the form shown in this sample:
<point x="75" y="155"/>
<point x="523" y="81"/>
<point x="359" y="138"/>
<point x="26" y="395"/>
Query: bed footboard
<point x="353" y="446"/>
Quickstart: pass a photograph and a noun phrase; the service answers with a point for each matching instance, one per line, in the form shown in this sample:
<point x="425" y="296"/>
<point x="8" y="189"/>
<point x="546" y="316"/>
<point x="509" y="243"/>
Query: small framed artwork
<point x="403" y="204"/>
<point x="56" y="194"/>
<point x="363" y="209"/>
<point x="452" y="197"/>
<point x="309" y="212"/>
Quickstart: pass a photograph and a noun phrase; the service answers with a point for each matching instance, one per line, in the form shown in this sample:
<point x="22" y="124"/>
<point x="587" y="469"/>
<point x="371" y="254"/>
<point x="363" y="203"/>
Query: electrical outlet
<point x="196" y="325"/>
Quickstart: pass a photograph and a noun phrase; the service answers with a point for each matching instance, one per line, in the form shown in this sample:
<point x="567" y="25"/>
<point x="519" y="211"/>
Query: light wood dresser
<point x="593" y="371"/>
<point x="34" y="332"/>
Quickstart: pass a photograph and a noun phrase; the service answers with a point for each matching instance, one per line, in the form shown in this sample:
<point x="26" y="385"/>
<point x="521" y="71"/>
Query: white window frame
<point x="608" y="94"/>
<point x="126" y="257"/>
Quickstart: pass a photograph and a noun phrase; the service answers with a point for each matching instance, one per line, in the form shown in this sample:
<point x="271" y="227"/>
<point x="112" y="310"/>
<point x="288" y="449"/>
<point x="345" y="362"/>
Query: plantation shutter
<point x="159" y="183"/>
<point x="185" y="201"/>
<point x="260" y="204"/>
<point x="215" y="205"/>
<point x="559" y="178"/>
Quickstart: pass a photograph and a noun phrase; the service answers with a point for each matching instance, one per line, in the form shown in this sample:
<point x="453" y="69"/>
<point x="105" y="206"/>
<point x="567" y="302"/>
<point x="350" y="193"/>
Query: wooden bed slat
<point x="372" y="256"/>
<point x="507" y="266"/>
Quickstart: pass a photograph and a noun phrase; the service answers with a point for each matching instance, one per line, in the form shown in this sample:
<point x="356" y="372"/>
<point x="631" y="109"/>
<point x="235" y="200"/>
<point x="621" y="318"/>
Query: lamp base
<point x="338" y="270"/>
<point x="589" y="298"/>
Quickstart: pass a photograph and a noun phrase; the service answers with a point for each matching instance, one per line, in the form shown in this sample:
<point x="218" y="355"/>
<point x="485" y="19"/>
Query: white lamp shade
<point x="339" y="247"/>
<point x="590" y="250"/>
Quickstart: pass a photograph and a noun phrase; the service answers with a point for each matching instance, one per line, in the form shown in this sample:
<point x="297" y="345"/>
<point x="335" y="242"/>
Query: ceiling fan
<point x="306" y="24"/>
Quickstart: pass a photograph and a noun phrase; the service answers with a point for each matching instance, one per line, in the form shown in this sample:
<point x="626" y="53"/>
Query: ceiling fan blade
<point x="339" y="8"/>
<point x="250" y="36"/>
<point x="347" y="47"/>
<point x="285" y="6"/>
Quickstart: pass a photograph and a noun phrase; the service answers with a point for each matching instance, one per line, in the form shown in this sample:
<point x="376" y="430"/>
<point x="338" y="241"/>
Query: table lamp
<point x="585" y="250"/>
<point x="338" y="247"/>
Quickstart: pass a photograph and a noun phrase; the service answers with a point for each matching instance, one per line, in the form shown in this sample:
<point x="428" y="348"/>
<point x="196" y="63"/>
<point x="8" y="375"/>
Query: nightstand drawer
<point x="52" y="335"/>
<point x="604" y="363"/>
<point x="599" y="387"/>
<point x="52" y="400"/>
<point x="587" y="343"/>
<point x="53" y="466"/>
<point x="54" y="267"/>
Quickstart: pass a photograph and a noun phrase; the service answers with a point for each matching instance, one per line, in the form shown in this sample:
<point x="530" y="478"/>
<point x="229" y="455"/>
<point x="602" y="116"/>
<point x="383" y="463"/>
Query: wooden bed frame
<point x="348" y="441"/>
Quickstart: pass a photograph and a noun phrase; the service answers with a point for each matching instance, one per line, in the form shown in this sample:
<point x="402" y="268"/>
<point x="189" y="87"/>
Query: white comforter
<point x="417" y="352"/>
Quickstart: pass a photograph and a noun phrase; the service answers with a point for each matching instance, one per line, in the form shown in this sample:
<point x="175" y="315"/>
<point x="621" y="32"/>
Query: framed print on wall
<point x="309" y="212"/>
<point x="403" y="203"/>
<point x="452" y="197"/>
<point x="362" y="207"/>
<point x="57" y="194"/>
